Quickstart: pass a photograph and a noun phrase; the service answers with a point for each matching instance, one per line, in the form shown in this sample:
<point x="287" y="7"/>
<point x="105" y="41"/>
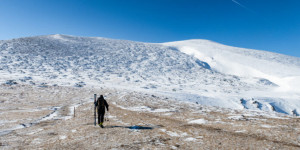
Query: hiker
<point x="101" y="104"/>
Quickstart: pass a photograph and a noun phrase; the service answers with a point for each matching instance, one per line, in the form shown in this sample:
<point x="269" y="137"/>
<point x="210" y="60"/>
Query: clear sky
<point x="272" y="25"/>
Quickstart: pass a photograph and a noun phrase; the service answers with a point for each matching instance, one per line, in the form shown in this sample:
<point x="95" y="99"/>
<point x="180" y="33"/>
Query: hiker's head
<point x="101" y="96"/>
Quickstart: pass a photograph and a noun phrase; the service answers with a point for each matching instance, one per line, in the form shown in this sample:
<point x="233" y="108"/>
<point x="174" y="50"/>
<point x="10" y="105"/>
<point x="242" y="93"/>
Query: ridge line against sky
<point x="272" y="25"/>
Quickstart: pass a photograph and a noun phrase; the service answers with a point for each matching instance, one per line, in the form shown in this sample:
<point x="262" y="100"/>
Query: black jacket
<point x="101" y="104"/>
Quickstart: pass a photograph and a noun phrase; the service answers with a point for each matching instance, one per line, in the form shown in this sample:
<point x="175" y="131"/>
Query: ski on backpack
<point x="95" y="97"/>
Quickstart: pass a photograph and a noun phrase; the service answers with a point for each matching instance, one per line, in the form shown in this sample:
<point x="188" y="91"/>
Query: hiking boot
<point x="101" y="126"/>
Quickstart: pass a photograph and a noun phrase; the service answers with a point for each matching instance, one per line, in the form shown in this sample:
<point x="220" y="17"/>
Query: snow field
<point x="194" y="70"/>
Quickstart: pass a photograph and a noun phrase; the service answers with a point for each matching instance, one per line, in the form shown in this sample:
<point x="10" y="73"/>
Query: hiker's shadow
<point x="134" y="127"/>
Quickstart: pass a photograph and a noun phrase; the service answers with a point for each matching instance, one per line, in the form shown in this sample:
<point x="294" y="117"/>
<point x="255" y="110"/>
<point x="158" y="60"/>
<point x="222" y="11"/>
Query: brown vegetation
<point x="136" y="121"/>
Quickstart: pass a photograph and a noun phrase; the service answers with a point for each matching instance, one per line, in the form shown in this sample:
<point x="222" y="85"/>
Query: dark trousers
<point x="101" y="116"/>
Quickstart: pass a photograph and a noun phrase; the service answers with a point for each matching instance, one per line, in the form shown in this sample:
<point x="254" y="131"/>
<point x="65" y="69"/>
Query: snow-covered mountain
<point x="194" y="70"/>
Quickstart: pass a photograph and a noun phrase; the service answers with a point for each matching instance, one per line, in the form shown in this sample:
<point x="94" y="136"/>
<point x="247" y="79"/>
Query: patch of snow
<point x="7" y="131"/>
<point x="174" y="134"/>
<point x="51" y="115"/>
<point x="162" y="110"/>
<point x="241" y="131"/>
<point x="36" y="141"/>
<point x="4" y="132"/>
<point x="163" y="130"/>
<point x="36" y="131"/>
<point x="183" y="134"/>
<point x="110" y="116"/>
<point x="190" y="139"/>
<point x="236" y="117"/>
<point x="139" y="108"/>
<point x="62" y="137"/>
<point x="168" y="114"/>
<point x="220" y="122"/>
<point x="145" y="109"/>
<point x="267" y="126"/>
<point x="198" y="121"/>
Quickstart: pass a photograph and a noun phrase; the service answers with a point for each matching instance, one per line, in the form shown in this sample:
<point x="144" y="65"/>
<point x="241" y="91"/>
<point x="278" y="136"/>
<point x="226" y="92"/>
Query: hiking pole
<point x="106" y="116"/>
<point x="95" y="96"/>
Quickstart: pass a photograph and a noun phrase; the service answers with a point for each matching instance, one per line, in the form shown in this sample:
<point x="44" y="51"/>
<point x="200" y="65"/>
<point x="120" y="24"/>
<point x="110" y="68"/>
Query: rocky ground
<point x="43" y="118"/>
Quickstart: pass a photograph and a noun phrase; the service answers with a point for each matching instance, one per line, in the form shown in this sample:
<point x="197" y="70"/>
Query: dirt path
<point x="142" y="121"/>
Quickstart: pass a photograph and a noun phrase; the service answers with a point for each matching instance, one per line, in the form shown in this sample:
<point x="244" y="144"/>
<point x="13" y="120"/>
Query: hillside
<point x="195" y="70"/>
<point x="193" y="94"/>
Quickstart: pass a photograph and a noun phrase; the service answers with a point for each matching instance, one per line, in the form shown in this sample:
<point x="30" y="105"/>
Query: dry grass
<point x="156" y="130"/>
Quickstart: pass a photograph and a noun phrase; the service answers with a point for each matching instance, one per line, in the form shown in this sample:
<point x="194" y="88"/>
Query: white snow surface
<point x="190" y="139"/>
<point x="279" y="69"/>
<point x="198" y="71"/>
<point x="198" y="121"/>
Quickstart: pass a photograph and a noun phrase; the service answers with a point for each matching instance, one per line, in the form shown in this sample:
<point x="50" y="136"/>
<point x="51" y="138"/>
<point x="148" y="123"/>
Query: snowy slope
<point x="279" y="69"/>
<point x="195" y="70"/>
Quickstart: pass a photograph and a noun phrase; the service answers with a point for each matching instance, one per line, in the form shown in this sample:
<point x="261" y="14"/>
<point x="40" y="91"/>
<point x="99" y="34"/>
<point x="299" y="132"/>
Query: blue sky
<point x="272" y="25"/>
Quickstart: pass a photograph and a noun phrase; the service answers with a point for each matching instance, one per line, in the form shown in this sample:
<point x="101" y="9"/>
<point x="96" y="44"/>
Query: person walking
<point x="101" y="104"/>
